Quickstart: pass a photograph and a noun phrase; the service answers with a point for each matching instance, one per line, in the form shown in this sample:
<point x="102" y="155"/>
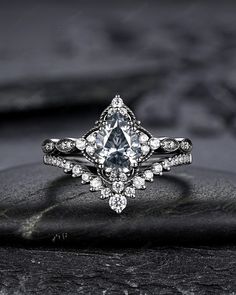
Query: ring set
<point x="118" y="156"/>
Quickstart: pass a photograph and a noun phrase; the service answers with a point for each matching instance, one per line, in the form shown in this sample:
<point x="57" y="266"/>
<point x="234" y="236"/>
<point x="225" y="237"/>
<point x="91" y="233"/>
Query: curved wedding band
<point x="117" y="156"/>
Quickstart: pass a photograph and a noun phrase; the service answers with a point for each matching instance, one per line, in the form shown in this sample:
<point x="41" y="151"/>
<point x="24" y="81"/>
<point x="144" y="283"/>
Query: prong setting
<point x="117" y="147"/>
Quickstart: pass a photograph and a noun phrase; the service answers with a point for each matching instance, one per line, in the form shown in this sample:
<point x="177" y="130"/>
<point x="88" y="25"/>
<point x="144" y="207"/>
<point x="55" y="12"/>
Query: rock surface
<point x="68" y="241"/>
<point x="169" y="271"/>
<point x="187" y="206"/>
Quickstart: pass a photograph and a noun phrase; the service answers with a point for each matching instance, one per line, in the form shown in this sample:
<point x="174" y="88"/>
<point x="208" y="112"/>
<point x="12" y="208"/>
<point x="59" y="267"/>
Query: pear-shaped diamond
<point x="117" y="143"/>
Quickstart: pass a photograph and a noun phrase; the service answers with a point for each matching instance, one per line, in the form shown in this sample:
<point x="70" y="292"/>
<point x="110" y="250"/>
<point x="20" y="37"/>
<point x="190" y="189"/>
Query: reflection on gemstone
<point x="117" y="143"/>
<point x="118" y="203"/>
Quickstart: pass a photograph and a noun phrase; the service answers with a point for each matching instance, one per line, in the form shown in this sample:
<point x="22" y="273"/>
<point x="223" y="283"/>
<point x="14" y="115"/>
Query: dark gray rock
<point x="163" y="270"/>
<point x="190" y="206"/>
<point x="68" y="241"/>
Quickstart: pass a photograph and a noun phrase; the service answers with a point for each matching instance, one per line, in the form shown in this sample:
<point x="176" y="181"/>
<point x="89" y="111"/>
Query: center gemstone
<point x="117" y="144"/>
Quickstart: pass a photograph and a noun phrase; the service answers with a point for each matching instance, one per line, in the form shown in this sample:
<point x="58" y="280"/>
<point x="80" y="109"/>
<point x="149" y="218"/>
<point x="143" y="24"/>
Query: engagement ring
<point x="118" y="156"/>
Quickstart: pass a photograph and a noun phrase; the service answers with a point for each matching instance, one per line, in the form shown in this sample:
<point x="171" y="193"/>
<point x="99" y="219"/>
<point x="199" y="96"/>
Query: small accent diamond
<point x="145" y="149"/>
<point x="118" y="186"/>
<point x="181" y="159"/>
<point x="105" y="193"/>
<point x="49" y="160"/>
<point x="187" y="159"/>
<point x="118" y="203"/>
<point x="117" y="102"/>
<point x="157" y="168"/>
<point x="172" y="162"/>
<point x="166" y="164"/>
<point x="96" y="184"/>
<point x="90" y="150"/>
<point x="186" y="145"/>
<point x="143" y="137"/>
<point x="169" y="144"/>
<point x="130" y="192"/>
<point x="113" y="175"/>
<point x="48" y="146"/>
<point x="54" y="161"/>
<point x="91" y="138"/>
<point x="86" y="177"/>
<point x="77" y="171"/>
<point x="65" y="145"/>
<point x="67" y="165"/>
<point x="80" y="143"/>
<point x="148" y="175"/>
<point x="176" y="160"/>
<point x="59" y="162"/>
<point x="154" y="143"/>
<point x="139" y="182"/>
<point x="122" y="176"/>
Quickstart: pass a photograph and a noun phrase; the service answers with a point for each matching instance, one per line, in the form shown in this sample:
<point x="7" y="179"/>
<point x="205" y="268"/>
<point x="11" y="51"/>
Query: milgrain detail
<point x="117" y="154"/>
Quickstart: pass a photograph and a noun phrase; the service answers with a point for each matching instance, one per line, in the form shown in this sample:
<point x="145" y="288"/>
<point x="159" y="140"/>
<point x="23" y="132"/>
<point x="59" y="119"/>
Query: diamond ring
<point x="118" y="156"/>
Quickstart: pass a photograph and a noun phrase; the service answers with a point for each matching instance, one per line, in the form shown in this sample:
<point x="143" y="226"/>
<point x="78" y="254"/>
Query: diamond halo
<point x="117" y="147"/>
